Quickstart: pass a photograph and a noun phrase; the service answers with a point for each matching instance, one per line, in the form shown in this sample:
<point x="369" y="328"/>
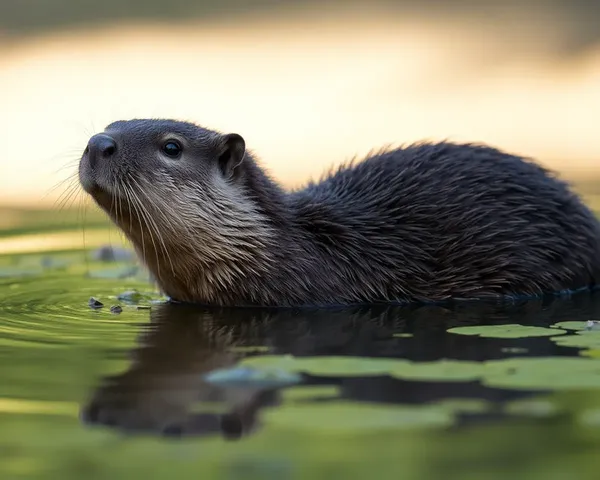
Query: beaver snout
<point x="100" y="147"/>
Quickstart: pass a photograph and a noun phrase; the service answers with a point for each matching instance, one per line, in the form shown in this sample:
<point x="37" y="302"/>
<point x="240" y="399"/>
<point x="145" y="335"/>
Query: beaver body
<point x="424" y="223"/>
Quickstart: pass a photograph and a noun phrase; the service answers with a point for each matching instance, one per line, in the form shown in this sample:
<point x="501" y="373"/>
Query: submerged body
<point x="428" y="222"/>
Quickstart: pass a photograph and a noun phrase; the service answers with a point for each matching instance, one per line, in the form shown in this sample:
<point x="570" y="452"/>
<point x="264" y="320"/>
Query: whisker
<point x="168" y="222"/>
<point x="83" y="206"/>
<point x="69" y="164"/>
<point x="70" y="178"/>
<point x="148" y="224"/>
<point x="67" y="197"/>
<point x="133" y="206"/>
<point x="153" y="221"/>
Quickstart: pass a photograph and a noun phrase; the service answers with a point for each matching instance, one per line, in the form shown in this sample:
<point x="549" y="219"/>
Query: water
<point x="338" y="393"/>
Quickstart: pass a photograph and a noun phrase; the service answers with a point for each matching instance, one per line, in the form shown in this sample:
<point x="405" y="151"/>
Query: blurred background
<point x="307" y="83"/>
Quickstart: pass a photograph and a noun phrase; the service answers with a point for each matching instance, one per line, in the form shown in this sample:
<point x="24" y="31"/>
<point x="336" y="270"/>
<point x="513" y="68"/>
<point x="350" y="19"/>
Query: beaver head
<point x="183" y="195"/>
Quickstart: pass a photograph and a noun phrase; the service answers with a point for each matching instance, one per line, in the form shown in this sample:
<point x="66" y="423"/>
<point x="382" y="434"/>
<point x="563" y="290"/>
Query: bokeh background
<point x="308" y="83"/>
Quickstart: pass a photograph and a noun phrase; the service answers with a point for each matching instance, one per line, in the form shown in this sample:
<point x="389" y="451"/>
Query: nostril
<point x="109" y="150"/>
<point x="100" y="146"/>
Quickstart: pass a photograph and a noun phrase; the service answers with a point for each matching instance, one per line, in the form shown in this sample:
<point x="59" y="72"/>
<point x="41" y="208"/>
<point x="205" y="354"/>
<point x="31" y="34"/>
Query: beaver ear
<point x="233" y="149"/>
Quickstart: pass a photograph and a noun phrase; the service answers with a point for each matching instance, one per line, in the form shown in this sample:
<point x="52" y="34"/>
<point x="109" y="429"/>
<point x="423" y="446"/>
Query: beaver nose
<point x="100" y="147"/>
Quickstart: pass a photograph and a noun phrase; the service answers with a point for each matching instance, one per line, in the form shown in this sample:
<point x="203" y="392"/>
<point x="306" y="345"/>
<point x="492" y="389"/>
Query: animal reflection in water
<point x="164" y="387"/>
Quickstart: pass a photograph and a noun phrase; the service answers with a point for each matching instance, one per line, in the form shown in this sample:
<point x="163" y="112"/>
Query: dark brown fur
<point x="428" y="222"/>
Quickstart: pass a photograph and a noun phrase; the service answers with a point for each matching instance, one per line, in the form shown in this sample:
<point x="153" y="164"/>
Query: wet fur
<point x="423" y="223"/>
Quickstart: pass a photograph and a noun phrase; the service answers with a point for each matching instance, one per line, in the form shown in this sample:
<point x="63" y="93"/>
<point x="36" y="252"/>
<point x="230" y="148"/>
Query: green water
<point x="422" y="393"/>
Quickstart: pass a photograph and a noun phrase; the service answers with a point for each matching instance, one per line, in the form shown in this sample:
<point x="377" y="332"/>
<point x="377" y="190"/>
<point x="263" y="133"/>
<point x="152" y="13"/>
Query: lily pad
<point x="583" y="339"/>
<point x="570" y="325"/>
<point x="531" y="407"/>
<point x="252" y="377"/>
<point x="327" y="366"/>
<point x="542" y="373"/>
<point x="345" y="417"/>
<point x="310" y="392"/>
<point x="441" y="371"/>
<point x="403" y="335"/>
<point x="506" y="331"/>
<point x="590" y="417"/>
<point x="592" y="353"/>
<point x="463" y="405"/>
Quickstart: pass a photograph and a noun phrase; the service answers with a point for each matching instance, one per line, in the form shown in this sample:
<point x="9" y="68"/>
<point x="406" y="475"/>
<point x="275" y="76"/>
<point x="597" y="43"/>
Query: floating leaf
<point x="252" y="377"/>
<point x="311" y="392"/>
<point x="345" y="417"/>
<point x="570" y="325"/>
<point x="593" y="353"/>
<point x="463" y="405"/>
<point x="531" y="407"/>
<point x="530" y="373"/>
<point x="590" y="417"/>
<point x="327" y="366"/>
<point x="583" y="339"/>
<point x="506" y="331"/>
<point x="441" y="371"/>
<point x="545" y="373"/>
<point x="403" y="335"/>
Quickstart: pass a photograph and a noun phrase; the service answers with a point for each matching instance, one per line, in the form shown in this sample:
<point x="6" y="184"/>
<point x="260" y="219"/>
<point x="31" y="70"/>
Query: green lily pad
<point x="531" y="407"/>
<point x="252" y="377"/>
<point x="310" y="392"/>
<point x="463" y="405"/>
<point x="327" y="366"/>
<point x="542" y="373"/>
<point x="590" y="417"/>
<point x="403" y="335"/>
<point x="344" y="417"/>
<point x="441" y="371"/>
<point x="593" y="353"/>
<point x="505" y="331"/>
<point x="570" y="325"/>
<point x="582" y="339"/>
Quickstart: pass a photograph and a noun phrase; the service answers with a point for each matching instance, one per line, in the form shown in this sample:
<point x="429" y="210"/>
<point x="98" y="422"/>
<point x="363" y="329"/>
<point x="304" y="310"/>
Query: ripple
<point x="51" y="310"/>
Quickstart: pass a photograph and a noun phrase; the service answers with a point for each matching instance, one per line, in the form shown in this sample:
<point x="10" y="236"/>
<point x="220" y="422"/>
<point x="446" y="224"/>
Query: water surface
<point x="388" y="392"/>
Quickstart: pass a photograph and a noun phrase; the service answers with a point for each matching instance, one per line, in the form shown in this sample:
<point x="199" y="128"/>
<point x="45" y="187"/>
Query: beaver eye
<point x="172" y="148"/>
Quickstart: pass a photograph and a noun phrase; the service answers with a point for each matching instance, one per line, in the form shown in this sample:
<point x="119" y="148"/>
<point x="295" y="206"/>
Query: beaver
<point x="424" y="222"/>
